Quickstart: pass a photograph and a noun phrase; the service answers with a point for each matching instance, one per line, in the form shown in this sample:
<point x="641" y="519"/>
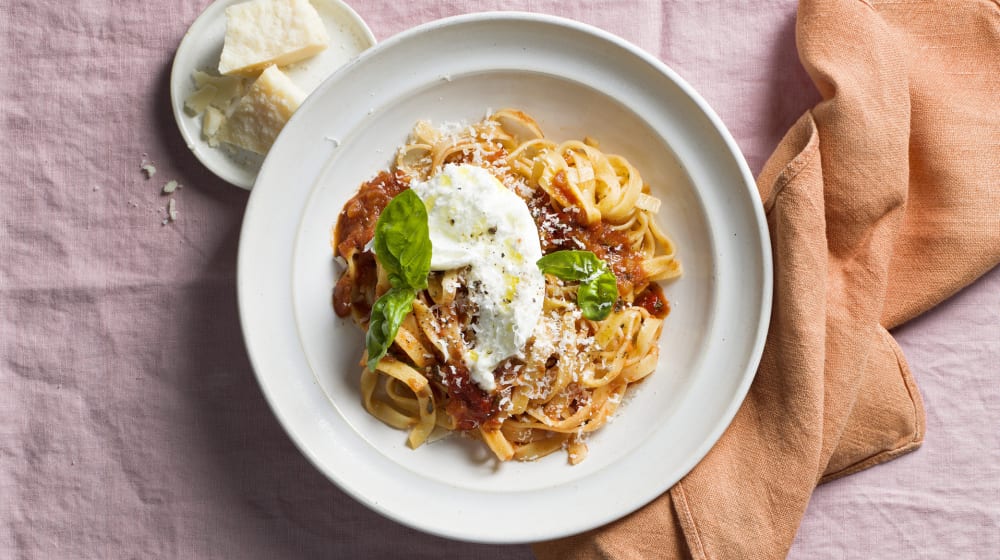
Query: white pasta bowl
<point x="576" y="81"/>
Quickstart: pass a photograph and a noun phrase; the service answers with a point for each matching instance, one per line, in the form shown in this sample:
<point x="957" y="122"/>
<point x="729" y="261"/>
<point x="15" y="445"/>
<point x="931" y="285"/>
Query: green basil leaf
<point x="577" y="266"/>
<point x="598" y="287"/>
<point x="403" y="241"/>
<point x="387" y="315"/>
<point x="597" y="297"/>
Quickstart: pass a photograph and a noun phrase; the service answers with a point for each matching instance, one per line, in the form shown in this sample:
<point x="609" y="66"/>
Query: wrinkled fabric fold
<point x="881" y="201"/>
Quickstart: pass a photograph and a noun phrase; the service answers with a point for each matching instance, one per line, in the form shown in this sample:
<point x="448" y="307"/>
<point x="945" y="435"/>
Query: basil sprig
<point x="598" y="287"/>
<point x="403" y="248"/>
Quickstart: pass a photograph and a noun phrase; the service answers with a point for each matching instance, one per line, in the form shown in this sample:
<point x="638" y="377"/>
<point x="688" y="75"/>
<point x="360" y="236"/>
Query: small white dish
<point x="577" y="81"/>
<point x="200" y="49"/>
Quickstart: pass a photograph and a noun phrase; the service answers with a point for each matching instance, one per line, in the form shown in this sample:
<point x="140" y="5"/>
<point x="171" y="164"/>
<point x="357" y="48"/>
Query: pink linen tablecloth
<point x="130" y="421"/>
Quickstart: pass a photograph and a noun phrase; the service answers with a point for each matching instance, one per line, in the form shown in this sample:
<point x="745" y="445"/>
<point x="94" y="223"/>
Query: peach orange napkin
<point x="881" y="201"/>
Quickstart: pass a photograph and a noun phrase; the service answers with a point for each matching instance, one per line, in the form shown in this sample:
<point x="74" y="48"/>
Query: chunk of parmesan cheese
<point x="210" y="125"/>
<point x="197" y="101"/>
<point x="261" y="33"/>
<point x="227" y="88"/>
<point x="262" y="112"/>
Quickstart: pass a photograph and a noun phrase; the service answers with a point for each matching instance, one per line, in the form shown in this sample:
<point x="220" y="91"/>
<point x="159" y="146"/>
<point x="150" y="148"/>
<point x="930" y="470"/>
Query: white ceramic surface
<point x="200" y="49"/>
<point x="576" y="81"/>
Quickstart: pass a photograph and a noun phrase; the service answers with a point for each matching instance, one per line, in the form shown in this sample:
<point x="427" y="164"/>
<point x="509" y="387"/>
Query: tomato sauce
<point x="469" y="405"/>
<point x="559" y="230"/>
<point x="356" y="223"/>
<point x="355" y="228"/>
<point x="653" y="300"/>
